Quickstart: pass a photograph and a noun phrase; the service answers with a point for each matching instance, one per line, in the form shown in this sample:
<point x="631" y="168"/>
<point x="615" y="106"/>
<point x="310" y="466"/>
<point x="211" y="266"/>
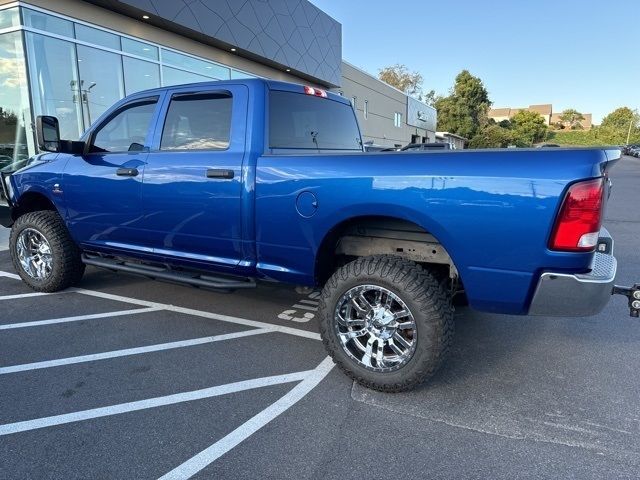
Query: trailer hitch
<point x="633" y="294"/>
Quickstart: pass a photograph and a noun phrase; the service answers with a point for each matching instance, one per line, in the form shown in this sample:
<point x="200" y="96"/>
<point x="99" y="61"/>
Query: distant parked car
<point x="372" y="147"/>
<point x="420" y="147"/>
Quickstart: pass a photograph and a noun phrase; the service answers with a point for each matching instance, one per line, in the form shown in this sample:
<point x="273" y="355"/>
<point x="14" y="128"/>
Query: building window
<point x="14" y="101"/>
<point x="76" y="71"/>
<point x="397" y="119"/>
<point x="366" y="109"/>
<point x="54" y="82"/>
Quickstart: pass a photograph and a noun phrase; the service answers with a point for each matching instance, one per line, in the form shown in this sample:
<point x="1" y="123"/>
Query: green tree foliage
<point x="528" y="128"/>
<point x="400" y="77"/>
<point x="492" y="136"/>
<point x="464" y="110"/>
<point x="620" y="119"/>
<point x="572" y="118"/>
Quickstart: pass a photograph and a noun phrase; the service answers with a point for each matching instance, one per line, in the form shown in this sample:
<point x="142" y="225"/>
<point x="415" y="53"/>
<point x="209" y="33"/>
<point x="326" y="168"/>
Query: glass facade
<point x="14" y="98"/>
<point x="76" y="72"/>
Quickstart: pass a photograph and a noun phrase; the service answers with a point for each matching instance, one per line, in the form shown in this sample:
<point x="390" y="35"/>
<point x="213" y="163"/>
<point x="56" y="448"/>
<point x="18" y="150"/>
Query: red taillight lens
<point x="318" y="92"/>
<point x="578" y="224"/>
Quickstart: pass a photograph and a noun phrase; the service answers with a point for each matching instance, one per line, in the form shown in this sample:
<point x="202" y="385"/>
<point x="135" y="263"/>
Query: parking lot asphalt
<point x="128" y="378"/>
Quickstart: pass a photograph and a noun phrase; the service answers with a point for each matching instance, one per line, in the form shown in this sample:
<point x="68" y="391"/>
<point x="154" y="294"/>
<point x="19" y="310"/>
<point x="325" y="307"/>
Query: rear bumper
<point x="576" y="295"/>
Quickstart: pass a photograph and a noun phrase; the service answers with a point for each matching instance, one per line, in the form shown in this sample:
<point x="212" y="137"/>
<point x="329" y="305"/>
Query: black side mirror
<point x="48" y="133"/>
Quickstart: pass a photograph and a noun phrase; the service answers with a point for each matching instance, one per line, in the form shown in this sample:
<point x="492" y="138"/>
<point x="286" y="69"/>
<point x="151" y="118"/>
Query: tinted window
<point x="300" y="121"/>
<point x="127" y="131"/>
<point x="197" y="122"/>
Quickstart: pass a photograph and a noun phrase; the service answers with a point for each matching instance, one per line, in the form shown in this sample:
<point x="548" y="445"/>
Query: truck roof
<point x="249" y="82"/>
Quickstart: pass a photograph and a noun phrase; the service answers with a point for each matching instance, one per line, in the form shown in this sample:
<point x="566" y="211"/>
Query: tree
<point x="572" y="117"/>
<point x="621" y="118"/>
<point x="492" y="136"/>
<point x="464" y="111"/>
<point x="528" y="128"/>
<point x="400" y="77"/>
<point x="620" y="125"/>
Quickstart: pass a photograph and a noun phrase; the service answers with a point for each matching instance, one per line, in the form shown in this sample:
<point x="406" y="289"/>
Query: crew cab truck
<point x="222" y="184"/>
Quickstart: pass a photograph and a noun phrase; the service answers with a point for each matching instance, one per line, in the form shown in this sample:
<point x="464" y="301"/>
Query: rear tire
<point x="43" y="253"/>
<point x="399" y="308"/>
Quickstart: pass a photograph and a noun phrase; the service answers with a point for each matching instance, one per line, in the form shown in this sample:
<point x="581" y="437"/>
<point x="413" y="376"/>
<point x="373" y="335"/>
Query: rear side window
<point x="301" y="122"/>
<point x="198" y="122"/>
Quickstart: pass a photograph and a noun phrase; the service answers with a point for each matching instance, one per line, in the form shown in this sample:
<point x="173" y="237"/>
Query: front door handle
<point x="220" y="173"/>
<point x="127" y="172"/>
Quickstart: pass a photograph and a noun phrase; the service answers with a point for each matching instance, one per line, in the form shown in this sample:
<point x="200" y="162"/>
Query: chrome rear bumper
<point x="576" y="295"/>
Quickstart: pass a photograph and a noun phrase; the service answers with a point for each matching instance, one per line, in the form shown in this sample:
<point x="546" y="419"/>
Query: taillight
<point x="578" y="224"/>
<point x="318" y="92"/>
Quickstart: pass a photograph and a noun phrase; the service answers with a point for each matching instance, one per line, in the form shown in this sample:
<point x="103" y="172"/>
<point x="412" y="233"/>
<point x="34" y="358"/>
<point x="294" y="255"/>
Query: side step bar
<point x="193" y="278"/>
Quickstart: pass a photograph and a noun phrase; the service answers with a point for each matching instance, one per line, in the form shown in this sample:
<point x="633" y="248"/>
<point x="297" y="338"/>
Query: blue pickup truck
<point x="223" y="184"/>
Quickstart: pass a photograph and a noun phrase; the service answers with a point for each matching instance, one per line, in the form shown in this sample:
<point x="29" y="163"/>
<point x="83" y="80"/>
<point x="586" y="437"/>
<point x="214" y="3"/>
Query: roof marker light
<point x="315" y="91"/>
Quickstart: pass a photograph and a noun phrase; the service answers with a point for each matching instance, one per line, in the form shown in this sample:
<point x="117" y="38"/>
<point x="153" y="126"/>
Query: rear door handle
<point x="220" y="173"/>
<point x="127" y="172"/>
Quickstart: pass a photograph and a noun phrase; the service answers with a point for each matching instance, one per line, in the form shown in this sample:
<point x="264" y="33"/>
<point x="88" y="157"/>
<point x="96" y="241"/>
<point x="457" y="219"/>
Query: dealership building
<point x="75" y="58"/>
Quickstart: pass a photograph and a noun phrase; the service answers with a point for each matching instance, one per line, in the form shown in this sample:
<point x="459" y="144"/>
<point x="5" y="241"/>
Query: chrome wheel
<point x="34" y="254"/>
<point x="375" y="328"/>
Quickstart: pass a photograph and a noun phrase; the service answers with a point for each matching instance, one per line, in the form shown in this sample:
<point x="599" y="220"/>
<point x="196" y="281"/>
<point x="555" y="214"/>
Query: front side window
<point x="198" y="122"/>
<point x="298" y="121"/>
<point x="127" y="130"/>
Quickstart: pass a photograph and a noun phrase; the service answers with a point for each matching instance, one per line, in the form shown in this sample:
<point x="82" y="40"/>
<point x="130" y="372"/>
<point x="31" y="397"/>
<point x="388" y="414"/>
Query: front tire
<point x="386" y="322"/>
<point x="43" y="253"/>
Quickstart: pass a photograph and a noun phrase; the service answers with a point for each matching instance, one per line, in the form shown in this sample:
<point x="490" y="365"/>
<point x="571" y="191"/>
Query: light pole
<point x="633" y="114"/>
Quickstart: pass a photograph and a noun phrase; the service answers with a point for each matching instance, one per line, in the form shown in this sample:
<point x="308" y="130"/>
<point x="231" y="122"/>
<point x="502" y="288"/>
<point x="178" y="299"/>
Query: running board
<point x="192" y="278"/>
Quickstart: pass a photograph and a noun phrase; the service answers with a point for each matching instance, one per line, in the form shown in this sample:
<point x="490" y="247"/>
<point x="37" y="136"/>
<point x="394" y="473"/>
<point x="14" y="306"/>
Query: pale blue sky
<point x="571" y="53"/>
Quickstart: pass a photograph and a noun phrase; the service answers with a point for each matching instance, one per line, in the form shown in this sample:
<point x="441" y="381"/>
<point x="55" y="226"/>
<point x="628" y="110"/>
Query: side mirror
<point x="48" y="133"/>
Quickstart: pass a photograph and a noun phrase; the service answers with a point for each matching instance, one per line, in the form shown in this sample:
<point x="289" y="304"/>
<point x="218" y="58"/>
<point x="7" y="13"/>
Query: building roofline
<point x="385" y="83"/>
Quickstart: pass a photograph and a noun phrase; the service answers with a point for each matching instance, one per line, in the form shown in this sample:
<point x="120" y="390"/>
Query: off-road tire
<point x="67" y="267"/>
<point x="425" y="297"/>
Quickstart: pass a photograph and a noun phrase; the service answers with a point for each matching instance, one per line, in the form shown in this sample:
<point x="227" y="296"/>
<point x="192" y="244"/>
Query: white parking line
<point x="10" y="428"/>
<point x="199" y="313"/>
<point x="251" y="426"/>
<point x="28" y="295"/>
<point x="129" y="351"/>
<point x="79" y="318"/>
<point x="306" y="307"/>
<point x="188" y="311"/>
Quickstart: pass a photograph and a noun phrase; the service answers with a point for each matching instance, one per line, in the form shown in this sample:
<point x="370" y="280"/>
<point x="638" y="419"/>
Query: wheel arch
<point x="325" y="261"/>
<point x="32" y="201"/>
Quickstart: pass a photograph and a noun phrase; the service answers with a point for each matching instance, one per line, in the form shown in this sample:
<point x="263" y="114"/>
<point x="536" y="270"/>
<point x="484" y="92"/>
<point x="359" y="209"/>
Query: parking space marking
<point x="310" y="304"/>
<point x="130" y="351"/>
<point x="29" y="295"/>
<point x="187" y="311"/>
<point x="203" y="314"/>
<point x="44" y="422"/>
<point x="10" y="275"/>
<point x="306" y="307"/>
<point x="79" y="318"/>
<point x="251" y="426"/>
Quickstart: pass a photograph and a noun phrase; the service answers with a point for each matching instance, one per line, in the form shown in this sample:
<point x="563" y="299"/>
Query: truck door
<point x="193" y="185"/>
<point x="102" y="189"/>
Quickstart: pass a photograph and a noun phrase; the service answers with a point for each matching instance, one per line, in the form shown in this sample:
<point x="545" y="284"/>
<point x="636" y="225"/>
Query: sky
<point x="571" y="53"/>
